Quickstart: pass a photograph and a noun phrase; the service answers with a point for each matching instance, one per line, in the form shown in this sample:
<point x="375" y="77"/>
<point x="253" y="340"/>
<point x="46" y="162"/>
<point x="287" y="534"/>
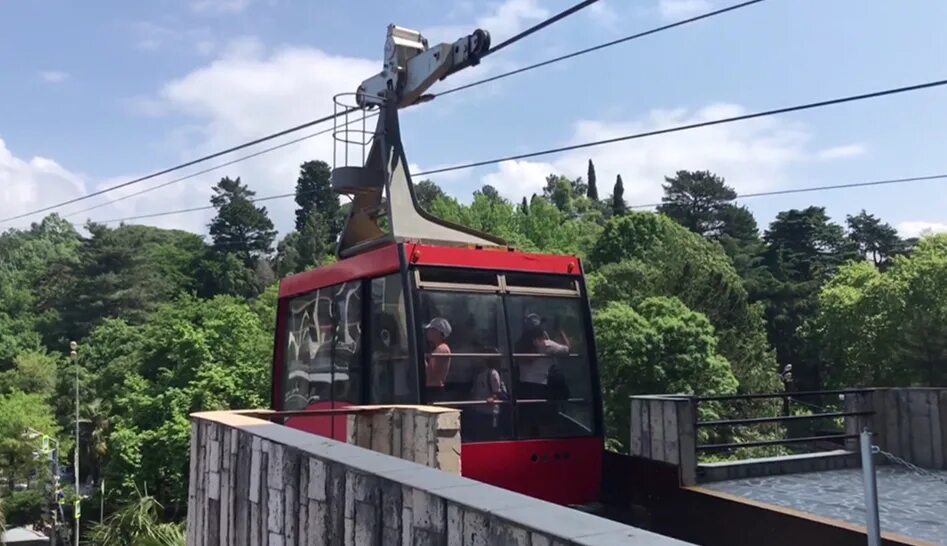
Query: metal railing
<point x="788" y="398"/>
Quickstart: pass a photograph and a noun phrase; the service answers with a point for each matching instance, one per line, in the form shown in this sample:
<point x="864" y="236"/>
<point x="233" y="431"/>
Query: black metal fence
<point x="813" y="403"/>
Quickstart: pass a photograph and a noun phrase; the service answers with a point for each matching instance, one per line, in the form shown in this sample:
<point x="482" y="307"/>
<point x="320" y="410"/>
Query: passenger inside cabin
<point x="540" y="379"/>
<point x="537" y="362"/>
<point x="437" y="362"/>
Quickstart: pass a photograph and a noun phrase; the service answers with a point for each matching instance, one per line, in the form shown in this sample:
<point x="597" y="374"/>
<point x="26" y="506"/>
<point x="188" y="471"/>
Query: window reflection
<point x="393" y="375"/>
<point x="322" y="348"/>
<point x="466" y="362"/>
<point x="554" y="390"/>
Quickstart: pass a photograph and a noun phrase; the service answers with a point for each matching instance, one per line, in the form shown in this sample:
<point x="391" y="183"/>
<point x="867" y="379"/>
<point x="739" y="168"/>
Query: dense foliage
<point x="694" y="299"/>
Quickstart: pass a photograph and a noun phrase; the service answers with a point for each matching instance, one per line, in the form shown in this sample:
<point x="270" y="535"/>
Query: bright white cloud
<point x="53" y="76"/>
<point x="842" y="152"/>
<point x="681" y="9"/>
<point x="220" y="6"/>
<point x="753" y="155"/>
<point x="919" y="228"/>
<point x="506" y="20"/>
<point x="247" y="91"/>
<point x="33" y="183"/>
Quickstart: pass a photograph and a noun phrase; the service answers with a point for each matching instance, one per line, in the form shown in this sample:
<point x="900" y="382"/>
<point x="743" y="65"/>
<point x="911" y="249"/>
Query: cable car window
<point x="393" y="375"/>
<point x="308" y="354"/>
<point x="346" y="357"/>
<point x="454" y="275"/>
<point x="554" y="388"/>
<point x="532" y="280"/>
<point x="466" y="362"/>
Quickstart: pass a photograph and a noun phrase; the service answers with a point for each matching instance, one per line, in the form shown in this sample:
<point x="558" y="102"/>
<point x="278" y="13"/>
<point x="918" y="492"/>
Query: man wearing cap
<point x="437" y="362"/>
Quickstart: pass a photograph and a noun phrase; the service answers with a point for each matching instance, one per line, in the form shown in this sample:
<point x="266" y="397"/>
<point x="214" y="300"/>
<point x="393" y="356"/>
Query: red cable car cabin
<point x="353" y="333"/>
<point x="407" y="285"/>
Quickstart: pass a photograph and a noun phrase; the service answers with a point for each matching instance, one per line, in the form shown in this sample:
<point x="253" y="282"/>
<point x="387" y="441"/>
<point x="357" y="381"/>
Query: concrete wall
<point x="427" y="435"/>
<point x="662" y="429"/>
<point x="910" y="423"/>
<point x="258" y="483"/>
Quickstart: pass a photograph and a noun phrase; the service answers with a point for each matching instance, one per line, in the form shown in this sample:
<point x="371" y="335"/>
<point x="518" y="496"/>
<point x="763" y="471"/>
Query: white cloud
<point x="506" y="20"/>
<point x="220" y="6"/>
<point x="752" y="155"/>
<point x="152" y="36"/>
<point x="247" y="91"/>
<point x="842" y="152"/>
<point x="603" y="14"/>
<point x="920" y="228"/>
<point x="53" y="76"/>
<point x="33" y="183"/>
<point x="681" y="9"/>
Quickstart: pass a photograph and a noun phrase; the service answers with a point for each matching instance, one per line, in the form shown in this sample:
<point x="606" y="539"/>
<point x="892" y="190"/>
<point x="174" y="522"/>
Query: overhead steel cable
<point x="690" y="126"/>
<point x="821" y="188"/>
<point x="541" y="25"/>
<point x="598" y="47"/>
<point x="514" y="39"/>
<point x="183" y="165"/>
<point x="322" y="120"/>
<point x="787" y="191"/>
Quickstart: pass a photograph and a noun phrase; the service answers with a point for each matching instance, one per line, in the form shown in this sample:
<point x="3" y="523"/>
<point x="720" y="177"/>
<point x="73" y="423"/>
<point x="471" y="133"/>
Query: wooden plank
<point x="904" y="425"/>
<point x="937" y="430"/>
<point x="381" y="432"/>
<point x="920" y="429"/>
<point x="646" y="429"/>
<point x="687" y="442"/>
<point x="225" y="520"/>
<point x="302" y="503"/>
<point x="671" y="431"/>
<point x="636" y="432"/>
<point x="656" y="415"/>
<point x="192" y="483"/>
<point x="892" y="436"/>
<point x="942" y="410"/>
<point x="290" y="494"/>
<point x="241" y="514"/>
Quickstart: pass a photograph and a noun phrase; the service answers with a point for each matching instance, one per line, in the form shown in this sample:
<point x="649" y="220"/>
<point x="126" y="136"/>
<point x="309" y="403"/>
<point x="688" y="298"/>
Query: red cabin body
<point x="521" y="367"/>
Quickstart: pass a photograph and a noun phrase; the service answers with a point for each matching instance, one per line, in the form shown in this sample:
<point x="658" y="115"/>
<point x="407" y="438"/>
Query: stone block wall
<point x="253" y="482"/>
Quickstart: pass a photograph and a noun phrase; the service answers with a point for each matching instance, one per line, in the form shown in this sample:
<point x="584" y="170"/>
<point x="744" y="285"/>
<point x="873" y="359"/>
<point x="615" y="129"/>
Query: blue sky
<point x="92" y="93"/>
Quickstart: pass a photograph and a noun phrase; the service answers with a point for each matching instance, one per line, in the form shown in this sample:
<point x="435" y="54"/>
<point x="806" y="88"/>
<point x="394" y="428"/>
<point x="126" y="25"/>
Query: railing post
<point x="871" y="490"/>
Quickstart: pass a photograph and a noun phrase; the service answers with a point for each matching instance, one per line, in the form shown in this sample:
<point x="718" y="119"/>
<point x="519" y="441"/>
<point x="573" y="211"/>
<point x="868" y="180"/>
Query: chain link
<point x="913" y="468"/>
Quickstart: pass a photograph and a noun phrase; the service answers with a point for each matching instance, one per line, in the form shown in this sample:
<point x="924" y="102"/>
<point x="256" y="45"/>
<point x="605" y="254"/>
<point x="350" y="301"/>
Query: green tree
<point x="123" y="272"/>
<point x="697" y="200"/>
<point x="314" y="195"/>
<point x="886" y="328"/>
<point x="619" y="207"/>
<point x="592" y="192"/>
<point x="560" y="191"/>
<point x="20" y="411"/>
<point x="240" y="227"/>
<point x="875" y="240"/>
<point x="804" y="249"/>
<point x="138" y="523"/>
<point x="193" y="355"/>
<point x="641" y="254"/>
<point x="426" y="192"/>
<point x="659" y="347"/>
<point x="32" y="372"/>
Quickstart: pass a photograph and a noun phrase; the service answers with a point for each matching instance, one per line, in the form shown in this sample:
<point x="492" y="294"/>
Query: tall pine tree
<point x="698" y="200"/>
<point x="592" y="191"/>
<point x="619" y="207"/>
<point x="240" y="227"/>
<point x="314" y="193"/>
<point x="876" y="240"/>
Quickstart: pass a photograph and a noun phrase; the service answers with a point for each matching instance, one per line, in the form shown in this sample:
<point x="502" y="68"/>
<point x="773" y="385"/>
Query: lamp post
<point x="32" y="434"/>
<point x="74" y="354"/>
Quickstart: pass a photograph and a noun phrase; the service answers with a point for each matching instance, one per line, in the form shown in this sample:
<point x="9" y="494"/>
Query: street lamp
<point x="74" y="354"/>
<point x="33" y="434"/>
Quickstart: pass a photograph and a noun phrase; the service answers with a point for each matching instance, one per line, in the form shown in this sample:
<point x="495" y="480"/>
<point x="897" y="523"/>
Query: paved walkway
<point x="909" y="504"/>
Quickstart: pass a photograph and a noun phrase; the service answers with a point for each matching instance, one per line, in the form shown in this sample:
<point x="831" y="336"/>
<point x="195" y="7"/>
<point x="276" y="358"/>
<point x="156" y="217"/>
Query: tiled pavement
<point x="910" y="504"/>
